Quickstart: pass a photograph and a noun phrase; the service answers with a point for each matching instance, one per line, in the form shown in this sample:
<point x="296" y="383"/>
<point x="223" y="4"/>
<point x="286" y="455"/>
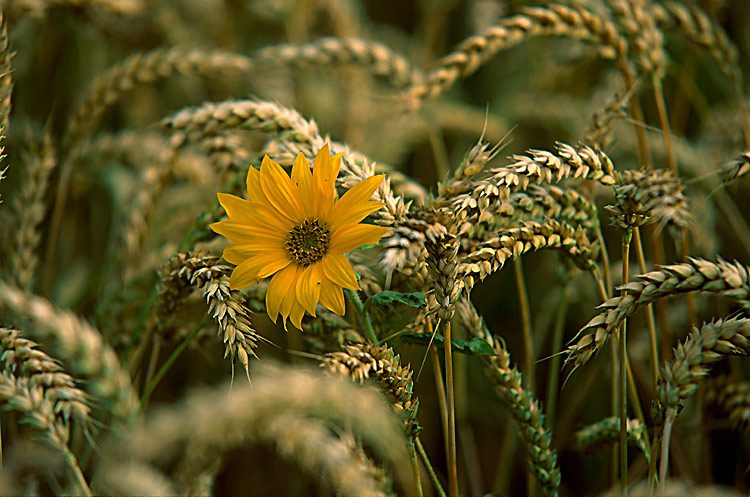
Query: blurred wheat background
<point x="475" y="361"/>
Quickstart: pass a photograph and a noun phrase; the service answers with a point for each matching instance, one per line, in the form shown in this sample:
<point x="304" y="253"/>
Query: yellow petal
<point x="237" y="254"/>
<point x="302" y="177"/>
<point x="355" y="204"/>
<point x="332" y="296"/>
<point x="238" y="209"/>
<point x="336" y="267"/>
<point x="280" y="191"/>
<point x="355" y="235"/>
<point x="243" y="276"/>
<point x="254" y="190"/>
<point x="325" y="171"/>
<point x="295" y="315"/>
<point x="246" y="234"/>
<point x="308" y="287"/>
<point x="278" y="290"/>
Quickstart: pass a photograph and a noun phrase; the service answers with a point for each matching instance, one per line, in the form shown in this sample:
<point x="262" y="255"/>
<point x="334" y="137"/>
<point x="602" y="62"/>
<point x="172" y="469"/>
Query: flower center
<point x="308" y="241"/>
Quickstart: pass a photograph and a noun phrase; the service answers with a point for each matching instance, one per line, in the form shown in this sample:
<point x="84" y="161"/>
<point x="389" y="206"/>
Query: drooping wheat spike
<point x="283" y="407"/>
<point x="731" y="397"/>
<point x="6" y="74"/>
<point x="79" y="345"/>
<point x="129" y="146"/>
<point x="38" y="411"/>
<point x="472" y="164"/>
<point x="650" y="195"/>
<point x="553" y="20"/>
<point x="364" y="360"/>
<point x="524" y="408"/>
<point x="607" y="431"/>
<point x="376" y="57"/>
<point x="692" y="358"/>
<point x="21" y="359"/>
<point x="538" y="166"/>
<point x="227" y="152"/>
<point x="133" y="478"/>
<point x="547" y="202"/>
<point x="736" y="168"/>
<point x="721" y="278"/>
<point x="478" y="260"/>
<point x="646" y="40"/>
<point x="598" y="133"/>
<point x="183" y="271"/>
<point x="29" y="205"/>
<point x="693" y="23"/>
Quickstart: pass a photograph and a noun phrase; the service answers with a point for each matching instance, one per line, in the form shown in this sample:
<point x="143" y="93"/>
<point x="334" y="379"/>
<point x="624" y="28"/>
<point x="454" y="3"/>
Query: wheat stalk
<point x="721" y="278"/>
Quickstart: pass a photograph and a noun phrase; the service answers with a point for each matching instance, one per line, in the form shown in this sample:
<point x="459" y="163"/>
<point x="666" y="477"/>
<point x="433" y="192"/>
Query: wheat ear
<point x="29" y="205"/>
<point x="553" y="20"/>
<point x="721" y="278"/>
<point x="279" y="400"/>
<point x="607" y="431"/>
<point x="38" y="411"/>
<point x="521" y="402"/>
<point x="732" y="397"/>
<point x="736" y="168"/>
<point x="79" y="345"/>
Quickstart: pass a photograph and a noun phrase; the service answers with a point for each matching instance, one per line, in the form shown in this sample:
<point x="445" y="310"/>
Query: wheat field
<point x="517" y="267"/>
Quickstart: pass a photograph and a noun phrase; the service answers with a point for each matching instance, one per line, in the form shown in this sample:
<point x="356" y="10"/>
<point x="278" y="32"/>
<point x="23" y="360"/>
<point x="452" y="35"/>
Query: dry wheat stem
<point x="520" y="401"/>
<point x="721" y="278"/>
<point x="553" y="20"/>
<point x="79" y="345"/>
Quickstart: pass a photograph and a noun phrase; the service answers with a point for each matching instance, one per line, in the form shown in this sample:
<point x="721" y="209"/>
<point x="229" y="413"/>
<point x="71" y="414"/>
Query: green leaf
<point x="388" y="298"/>
<point x="475" y="346"/>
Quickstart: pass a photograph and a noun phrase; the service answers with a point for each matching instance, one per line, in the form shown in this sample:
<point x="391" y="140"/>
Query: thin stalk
<point x="70" y="459"/>
<point x="557" y="342"/>
<point x="650" y="319"/>
<point x="644" y="157"/>
<point x="664" y="460"/>
<point x="155" y="348"/>
<point x="170" y="360"/>
<point x="605" y="257"/>
<point x="415" y="468"/>
<point x="427" y="466"/>
<point x="652" y="464"/>
<point x="451" y="456"/>
<point x="364" y="316"/>
<point x="661" y="109"/>
<point x="440" y="388"/>
<point x="623" y="374"/>
<point x="528" y="341"/>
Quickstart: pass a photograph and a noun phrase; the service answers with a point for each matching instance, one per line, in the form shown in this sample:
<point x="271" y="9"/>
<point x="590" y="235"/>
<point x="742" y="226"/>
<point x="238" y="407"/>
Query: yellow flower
<point x="295" y="229"/>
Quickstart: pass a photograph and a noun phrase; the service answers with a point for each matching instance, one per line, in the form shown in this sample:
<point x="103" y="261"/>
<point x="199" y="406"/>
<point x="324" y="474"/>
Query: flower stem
<point x="364" y="316"/>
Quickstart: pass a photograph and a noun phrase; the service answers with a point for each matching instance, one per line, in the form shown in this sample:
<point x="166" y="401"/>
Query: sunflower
<point x="298" y="231"/>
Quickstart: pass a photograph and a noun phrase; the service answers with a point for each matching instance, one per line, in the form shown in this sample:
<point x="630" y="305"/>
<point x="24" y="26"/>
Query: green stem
<point x="363" y="315"/>
<point x="528" y="341"/>
<point x="427" y="466"/>
<point x="650" y="320"/>
<point x="170" y="360"/>
<point x="415" y="468"/>
<point x="623" y="374"/>
<point x="557" y="342"/>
